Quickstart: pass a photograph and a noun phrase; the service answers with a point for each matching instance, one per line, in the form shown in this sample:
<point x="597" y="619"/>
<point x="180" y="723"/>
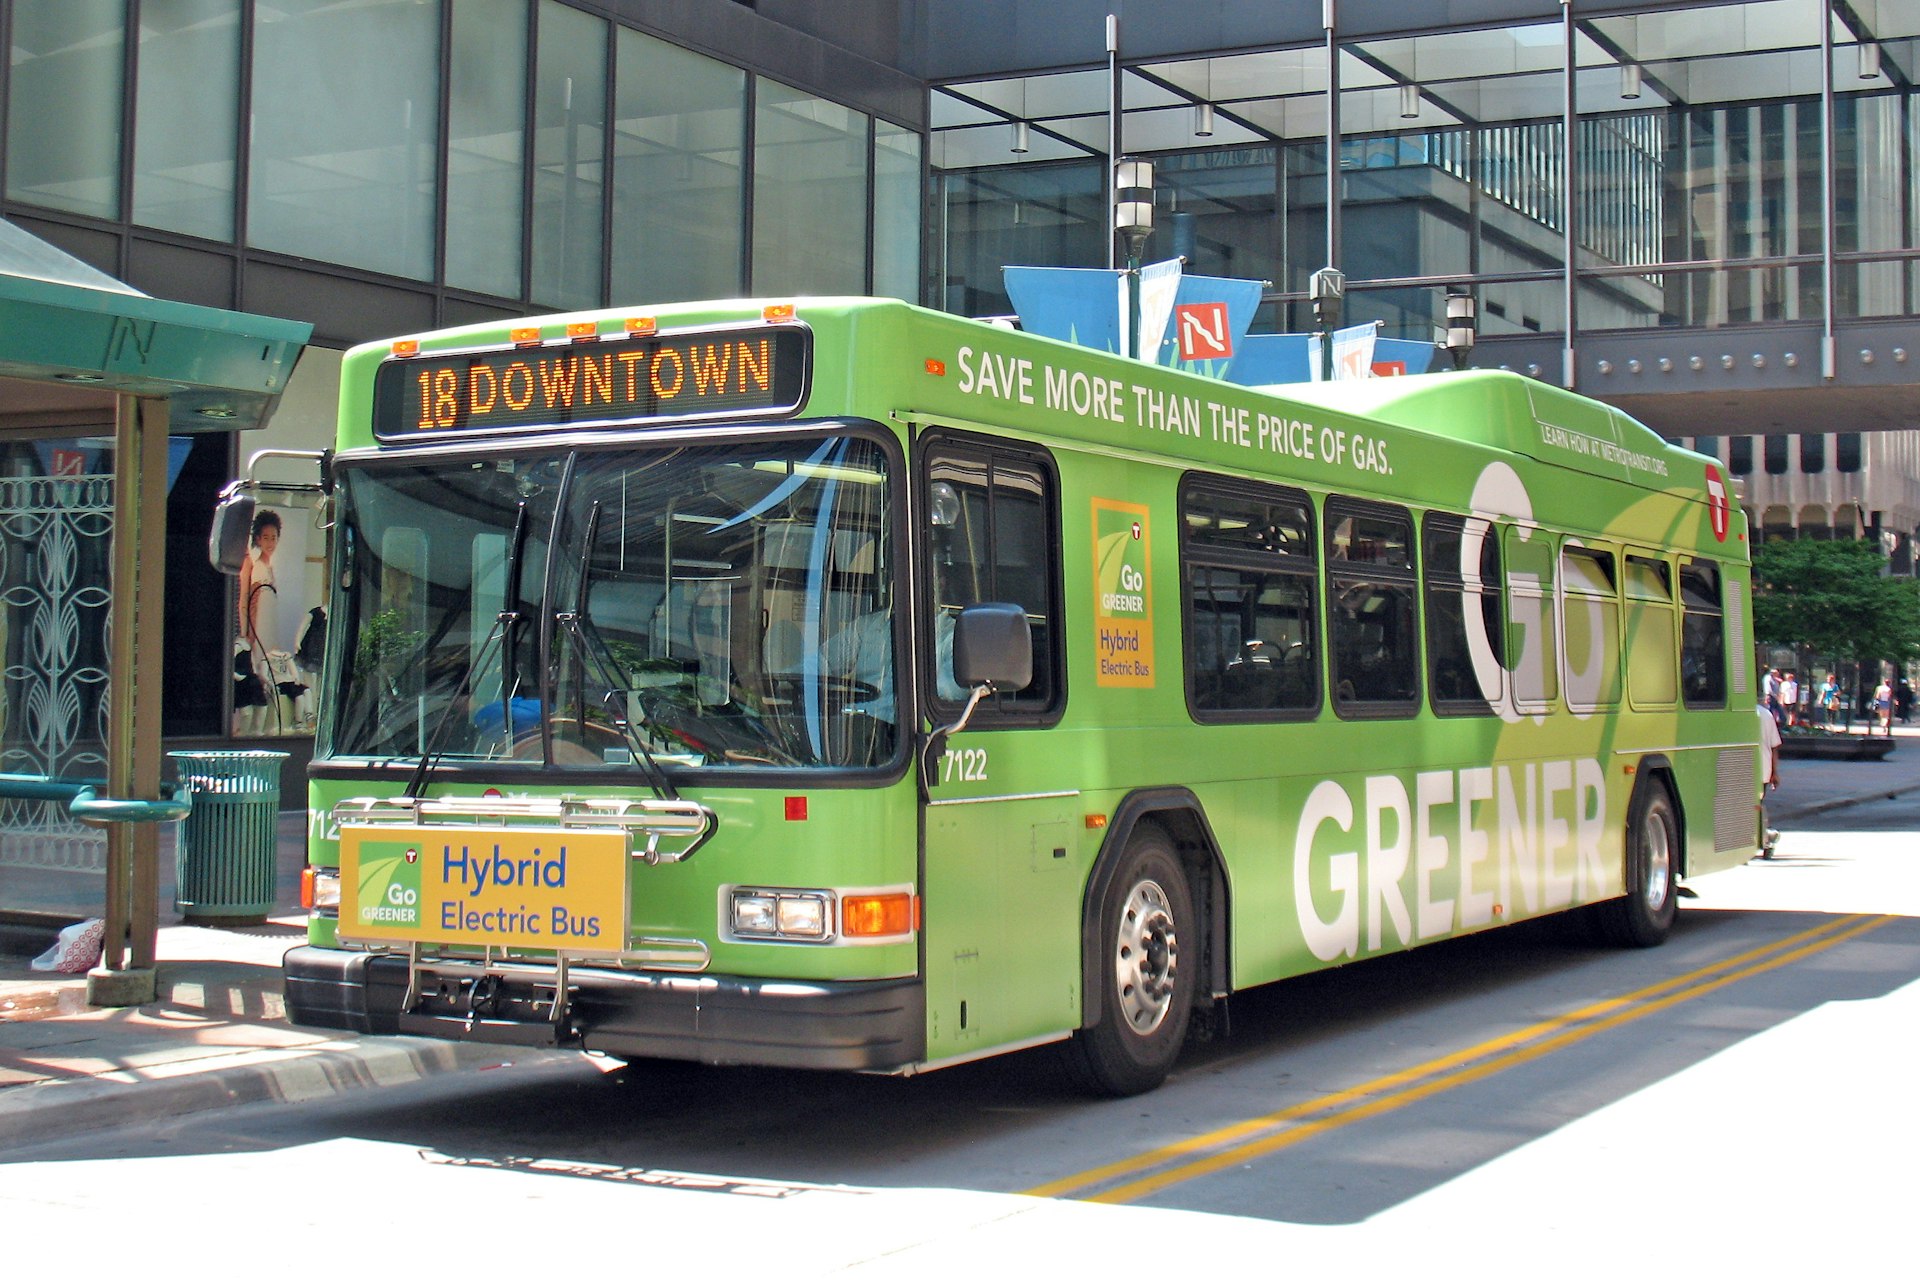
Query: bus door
<point x="1002" y="893"/>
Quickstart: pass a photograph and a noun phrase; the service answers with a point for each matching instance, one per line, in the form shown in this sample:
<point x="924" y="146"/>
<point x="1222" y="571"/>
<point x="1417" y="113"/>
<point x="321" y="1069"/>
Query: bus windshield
<point x="705" y="606"/>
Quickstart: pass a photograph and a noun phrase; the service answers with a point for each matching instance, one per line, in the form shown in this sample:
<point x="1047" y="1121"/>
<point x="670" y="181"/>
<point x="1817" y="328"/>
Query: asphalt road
<point x="1739" y="1098"/>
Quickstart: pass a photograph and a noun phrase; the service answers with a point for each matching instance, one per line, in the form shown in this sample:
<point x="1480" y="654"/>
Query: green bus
<point x="843" y="684"/>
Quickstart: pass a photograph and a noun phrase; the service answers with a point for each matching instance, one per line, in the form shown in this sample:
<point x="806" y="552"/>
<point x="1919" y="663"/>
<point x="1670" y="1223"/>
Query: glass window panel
<point x="345" y="133"/>
<point x="1590" y="640"/>
<point x="569" y="124"/>
<point x="1703" y="653"/>
<point x="187" y="118"/>
<point x="1370" y="610"/>
<point x="1652" y="658"/>
<point x="1846" y="451"/>
<point x="1813" y="453"/>
<point x="739" y="608"/>
<point x="1530" y="633"/>
<point x="1584" y="569"/>
<point x="1648" y="579"/>
<point x="1777" y="454"/>
<point x="1257" y="531"/>
<point x="1361" y="539"/>
<point x="1251" y="626"/>
<point x="809" y="193"/>
<point x="1740" y="455"/>
<point x="1217" y="212"/>
<point x="1250" y="641"/>
<point x="486" y="146"/>
<point x="1462" y="598"/>
<point x="64" y="104"/>
<point x="896" y="212"/>
<point x="678" y="196"/>
<point x="994" y="538"/>
<point x="1043" y="217"/>
<point x="1374" y="650"/>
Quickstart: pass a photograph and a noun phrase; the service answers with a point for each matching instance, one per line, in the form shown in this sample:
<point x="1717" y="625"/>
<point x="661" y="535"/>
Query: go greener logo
<point x="1123" y="594"/>
<point x="390" y="883"/>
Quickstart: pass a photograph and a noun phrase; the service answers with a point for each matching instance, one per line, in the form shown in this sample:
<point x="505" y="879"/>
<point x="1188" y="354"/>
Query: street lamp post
<point x="1133" y="221"/>
<point x="1461" y="313"/>
<point x="1328" y="290"/>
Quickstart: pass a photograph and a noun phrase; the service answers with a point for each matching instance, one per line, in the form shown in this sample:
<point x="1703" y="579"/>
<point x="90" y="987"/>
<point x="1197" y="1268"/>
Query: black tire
<point x="1644" y="917"/>
<point x="1145" y="985"/>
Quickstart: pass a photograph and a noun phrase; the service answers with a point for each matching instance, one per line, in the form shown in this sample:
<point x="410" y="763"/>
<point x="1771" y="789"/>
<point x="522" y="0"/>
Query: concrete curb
<point x="54" y="1109"/>
<point x="1840" y="802"/>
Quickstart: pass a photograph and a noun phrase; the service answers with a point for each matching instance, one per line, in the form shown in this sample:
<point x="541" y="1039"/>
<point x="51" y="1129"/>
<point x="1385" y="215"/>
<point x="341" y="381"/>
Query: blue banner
<point x="1265" y="359"/>
<point x="1082" y="305"/>
<point x="1199" y="343"/>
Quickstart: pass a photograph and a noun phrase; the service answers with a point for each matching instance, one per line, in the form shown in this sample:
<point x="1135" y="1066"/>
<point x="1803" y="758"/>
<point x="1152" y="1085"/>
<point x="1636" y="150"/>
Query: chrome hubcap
<point x="1146" y="957"/>
<point x="1655" y="840"/>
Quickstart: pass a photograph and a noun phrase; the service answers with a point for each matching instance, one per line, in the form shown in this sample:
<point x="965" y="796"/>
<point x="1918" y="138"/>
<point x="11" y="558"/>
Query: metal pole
<point x="1333" y="136"/>
<point x="1570" y="283"/>
<point x="1113" y="131"/>
<point x="1829" y="342"/>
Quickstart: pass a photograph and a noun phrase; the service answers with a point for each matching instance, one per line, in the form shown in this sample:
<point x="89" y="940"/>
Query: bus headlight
<point x="799" y="914"/>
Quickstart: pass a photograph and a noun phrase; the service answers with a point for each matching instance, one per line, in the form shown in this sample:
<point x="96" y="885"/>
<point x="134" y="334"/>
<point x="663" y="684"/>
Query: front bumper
<point x="846" y="1026"/>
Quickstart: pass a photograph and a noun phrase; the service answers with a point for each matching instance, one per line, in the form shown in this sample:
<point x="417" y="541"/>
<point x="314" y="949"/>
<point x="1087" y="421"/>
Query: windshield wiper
<point x="593" y="648"/>
<point x="504" y="625"/>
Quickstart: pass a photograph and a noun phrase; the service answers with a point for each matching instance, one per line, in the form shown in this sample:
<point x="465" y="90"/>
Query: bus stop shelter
<point x="80" y="350"/>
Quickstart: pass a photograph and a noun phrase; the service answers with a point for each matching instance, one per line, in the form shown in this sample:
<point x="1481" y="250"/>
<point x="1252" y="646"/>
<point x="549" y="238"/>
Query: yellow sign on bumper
<point x="528" y="888"/>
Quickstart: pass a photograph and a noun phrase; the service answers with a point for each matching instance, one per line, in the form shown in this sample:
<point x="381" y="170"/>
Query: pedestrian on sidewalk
<point x="1829" y="700"/>
<point x="1769" y="773"/>
<point x="1903" y="700"/>
<point x="1789" y="699"/>
<point x="1770" y="692"/>
<point x="1883" y="705"/>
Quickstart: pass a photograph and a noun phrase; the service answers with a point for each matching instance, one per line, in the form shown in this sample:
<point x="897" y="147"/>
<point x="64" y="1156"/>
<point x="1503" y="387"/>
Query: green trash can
<point x="224" y="862"/>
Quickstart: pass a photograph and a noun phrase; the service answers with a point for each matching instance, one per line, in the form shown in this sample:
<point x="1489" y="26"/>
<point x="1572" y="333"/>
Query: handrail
<point x="38" y="786"/>
<point x="85" y="803"/>
<point x="89" y="807"/>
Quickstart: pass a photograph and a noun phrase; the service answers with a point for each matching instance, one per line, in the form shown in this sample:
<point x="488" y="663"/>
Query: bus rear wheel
<point x="1645" y="915"/>
<point x="1145" y="984"/>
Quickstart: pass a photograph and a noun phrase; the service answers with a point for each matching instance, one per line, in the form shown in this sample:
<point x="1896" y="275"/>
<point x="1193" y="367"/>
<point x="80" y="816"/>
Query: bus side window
<point x="1248" y="577"/>
<point x="993" y="535"/>
<point x="1371" y="582"/>
<point x="1460" y="564"/>
<point x="1531" y="651"/>
<point x="1703" y="635"/>
<point x="1590" y="631"/>
<point x="1652" y="651"/>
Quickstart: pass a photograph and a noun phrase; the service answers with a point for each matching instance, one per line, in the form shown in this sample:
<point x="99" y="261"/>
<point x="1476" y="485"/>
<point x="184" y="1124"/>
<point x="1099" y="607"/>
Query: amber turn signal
<point x="879" y="914"/>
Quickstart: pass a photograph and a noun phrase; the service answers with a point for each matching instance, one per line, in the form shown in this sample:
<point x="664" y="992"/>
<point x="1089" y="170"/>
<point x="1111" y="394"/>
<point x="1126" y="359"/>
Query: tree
<point x="1834" y="597"/>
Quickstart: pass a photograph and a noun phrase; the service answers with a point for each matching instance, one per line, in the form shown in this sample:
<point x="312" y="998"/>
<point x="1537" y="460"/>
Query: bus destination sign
<point x="611" y="382"/>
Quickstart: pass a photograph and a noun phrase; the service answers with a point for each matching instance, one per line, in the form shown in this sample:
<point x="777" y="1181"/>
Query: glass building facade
<point x="452" y="161"/>
<point x="1704" y="186"/>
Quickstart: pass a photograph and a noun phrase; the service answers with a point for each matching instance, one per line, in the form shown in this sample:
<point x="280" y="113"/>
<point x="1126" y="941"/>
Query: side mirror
<point x="993" y="645"/>
<point x="232" y="531"/>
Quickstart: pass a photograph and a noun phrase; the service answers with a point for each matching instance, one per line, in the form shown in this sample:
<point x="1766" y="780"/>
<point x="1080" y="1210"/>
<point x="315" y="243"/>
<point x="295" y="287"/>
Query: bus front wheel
<point x="1145" y="983"/>
<point x="1645" y="915"/>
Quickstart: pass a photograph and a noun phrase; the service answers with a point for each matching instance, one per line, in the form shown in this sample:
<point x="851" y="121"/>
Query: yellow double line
<point x="1140" y="1176"/>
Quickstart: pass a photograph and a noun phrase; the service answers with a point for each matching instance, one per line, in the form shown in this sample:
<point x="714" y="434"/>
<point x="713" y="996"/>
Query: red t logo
<point x="1718" y="510"/>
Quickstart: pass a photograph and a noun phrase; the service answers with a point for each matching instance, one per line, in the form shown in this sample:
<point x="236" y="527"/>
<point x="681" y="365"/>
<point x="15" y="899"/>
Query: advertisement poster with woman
<point x="280" y="626"/>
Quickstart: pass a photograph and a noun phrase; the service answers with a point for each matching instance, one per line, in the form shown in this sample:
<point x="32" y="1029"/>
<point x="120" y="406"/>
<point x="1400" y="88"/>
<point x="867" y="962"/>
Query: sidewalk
<point x="1815" y="786"/>
<point x="217" y="1035"/>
